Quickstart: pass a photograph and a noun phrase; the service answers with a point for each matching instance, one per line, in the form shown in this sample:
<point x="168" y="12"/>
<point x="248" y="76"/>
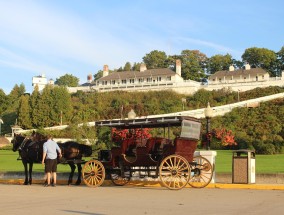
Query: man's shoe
<point x="46" y="185"/>
<point x="53" y="185"/>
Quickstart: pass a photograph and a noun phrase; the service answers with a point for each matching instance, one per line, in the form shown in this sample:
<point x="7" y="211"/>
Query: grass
<point x="9" y="163"/>
<point x="264" y="163"/>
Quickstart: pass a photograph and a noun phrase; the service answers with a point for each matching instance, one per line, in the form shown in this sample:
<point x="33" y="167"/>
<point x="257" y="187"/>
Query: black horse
<point x="31" y="151"/>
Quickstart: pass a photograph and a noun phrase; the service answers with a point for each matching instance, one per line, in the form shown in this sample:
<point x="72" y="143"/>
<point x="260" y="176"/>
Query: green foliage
<point x="193" y="64"/>
<point x="259" y="128"/>
<point x="24" y="118"/>
<point x="219" y="62"/>
<point x="3" y="101"/>
<point x="155" y="59"/>
<point x="67" y="80"/>
<point x="260" y="57"/>
<point x="127" y="67"/>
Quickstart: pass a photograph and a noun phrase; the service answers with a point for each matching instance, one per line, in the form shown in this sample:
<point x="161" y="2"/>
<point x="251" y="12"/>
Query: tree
<point x="193" y="64"/>
<point x="67" y="80"/>
<point x="136" y="67"/>
<point x="260" y="57"/>
<point x="3" y="101"/>
<point x="219" y="62"/>
<point x="127" y="67"/>
<point x="98" y="75"/>
<point x="34" y="107"/>
<point x="280" y="61"/>
<point x="155" y="59"/>
<point x="61" y="108"/>
<point x="24" y="119"/>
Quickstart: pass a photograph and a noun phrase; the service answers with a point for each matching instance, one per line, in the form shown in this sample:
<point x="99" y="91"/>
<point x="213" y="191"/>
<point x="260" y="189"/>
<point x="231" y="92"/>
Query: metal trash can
<point x="243" y="167"/>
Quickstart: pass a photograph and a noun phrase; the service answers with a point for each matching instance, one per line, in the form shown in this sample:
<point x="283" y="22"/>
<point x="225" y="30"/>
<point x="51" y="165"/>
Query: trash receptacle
<point x="243" y="167"/>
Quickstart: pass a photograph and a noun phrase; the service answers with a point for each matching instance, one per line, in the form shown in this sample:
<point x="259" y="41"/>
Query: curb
<point x="157" y="184"/>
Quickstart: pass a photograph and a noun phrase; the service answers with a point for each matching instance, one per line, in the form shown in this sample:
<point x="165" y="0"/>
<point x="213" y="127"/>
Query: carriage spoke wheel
<point x="174" y="172"/>
<point x="118" y="180"/>
<point x="201" y="172"/>
<point x="93" y="173"/>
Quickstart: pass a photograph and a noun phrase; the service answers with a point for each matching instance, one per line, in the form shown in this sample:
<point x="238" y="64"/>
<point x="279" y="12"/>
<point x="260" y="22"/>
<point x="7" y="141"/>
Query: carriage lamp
<point x="208" y="112"/>
<point x="131" y="114"/>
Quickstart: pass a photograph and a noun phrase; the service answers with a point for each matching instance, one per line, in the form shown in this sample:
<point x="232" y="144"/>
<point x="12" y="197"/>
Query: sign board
<point x="190" y="129"/>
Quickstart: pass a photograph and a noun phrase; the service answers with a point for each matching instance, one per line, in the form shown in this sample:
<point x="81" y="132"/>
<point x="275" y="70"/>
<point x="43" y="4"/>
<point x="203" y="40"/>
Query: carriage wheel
<point x="93" y="173"/>
<point x="201" y="172"/>
<point x="118" y="180"/>
<point x="174" y="172"/>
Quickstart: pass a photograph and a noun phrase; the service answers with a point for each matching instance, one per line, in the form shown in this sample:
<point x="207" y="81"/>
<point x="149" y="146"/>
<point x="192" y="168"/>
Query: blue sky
<point x="58" y="37"/>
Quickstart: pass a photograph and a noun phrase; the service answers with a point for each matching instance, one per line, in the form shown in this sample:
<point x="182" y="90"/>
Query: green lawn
<point x="9" y="163"/>
<point x="264" y="163"/>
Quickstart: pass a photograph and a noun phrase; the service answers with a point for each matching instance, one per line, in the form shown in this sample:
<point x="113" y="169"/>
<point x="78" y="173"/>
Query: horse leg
<point x="26" y="172"/>
<point x="78" y="182"/>
<point x="30" y="172"/>
<point x="73" y="167"/>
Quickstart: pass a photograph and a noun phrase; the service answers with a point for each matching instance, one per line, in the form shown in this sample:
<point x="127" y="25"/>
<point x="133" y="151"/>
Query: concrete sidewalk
<point x="223" y="181"/>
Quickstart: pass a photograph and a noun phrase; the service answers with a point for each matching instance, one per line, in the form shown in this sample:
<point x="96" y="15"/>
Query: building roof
<point x="137" y="74"/>
<point x="243" y="72"/>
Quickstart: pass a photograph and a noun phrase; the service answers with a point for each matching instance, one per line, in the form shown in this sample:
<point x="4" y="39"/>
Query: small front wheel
<point x="93" y="173"/>
<point x="118" y="180"/>
<point x="174" y="172"/>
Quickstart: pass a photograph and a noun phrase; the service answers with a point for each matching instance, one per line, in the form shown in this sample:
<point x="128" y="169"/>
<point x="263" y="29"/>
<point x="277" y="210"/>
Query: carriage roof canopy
<point x="156" y="122"/>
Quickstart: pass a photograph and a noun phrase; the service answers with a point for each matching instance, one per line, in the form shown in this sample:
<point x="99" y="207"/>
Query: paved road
<point x="69" y="200"/>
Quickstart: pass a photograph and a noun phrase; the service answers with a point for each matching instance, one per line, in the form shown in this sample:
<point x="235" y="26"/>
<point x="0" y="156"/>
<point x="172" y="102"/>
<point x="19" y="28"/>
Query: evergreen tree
<point x="24" y="119"/>
<point x="61" y="106"/>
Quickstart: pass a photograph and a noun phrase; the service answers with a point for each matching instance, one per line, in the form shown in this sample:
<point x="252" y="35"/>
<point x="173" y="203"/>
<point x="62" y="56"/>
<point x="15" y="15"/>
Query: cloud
<point x="216" y="47"/>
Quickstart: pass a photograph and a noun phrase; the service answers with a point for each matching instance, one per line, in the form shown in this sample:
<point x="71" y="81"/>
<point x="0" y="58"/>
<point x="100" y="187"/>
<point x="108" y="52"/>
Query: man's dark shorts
<point x="50" y="165"/>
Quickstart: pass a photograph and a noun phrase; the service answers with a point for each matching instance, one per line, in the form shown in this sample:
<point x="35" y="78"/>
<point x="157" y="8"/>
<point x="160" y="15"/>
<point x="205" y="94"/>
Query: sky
<point x="78" y="37"/>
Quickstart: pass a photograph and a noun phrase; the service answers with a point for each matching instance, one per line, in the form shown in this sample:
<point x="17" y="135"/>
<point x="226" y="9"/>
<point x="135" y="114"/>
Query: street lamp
<point x="183" y="100"/>
<point x="208" y="112"/>
<point x="1" y="122"/>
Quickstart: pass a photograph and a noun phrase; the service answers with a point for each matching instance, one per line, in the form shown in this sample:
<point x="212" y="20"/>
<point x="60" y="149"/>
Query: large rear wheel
<point x="174" y="172"/>
<point x="201" y="172"/>
<point x="93" y="173"/>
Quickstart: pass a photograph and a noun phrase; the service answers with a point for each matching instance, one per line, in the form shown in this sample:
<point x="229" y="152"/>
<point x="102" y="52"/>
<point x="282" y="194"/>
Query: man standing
<point x="50" y="149"/>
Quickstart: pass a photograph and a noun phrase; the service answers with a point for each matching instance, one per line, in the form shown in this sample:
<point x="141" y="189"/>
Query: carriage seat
<point x="155" y="146"/>
<point x="128" y="147"/>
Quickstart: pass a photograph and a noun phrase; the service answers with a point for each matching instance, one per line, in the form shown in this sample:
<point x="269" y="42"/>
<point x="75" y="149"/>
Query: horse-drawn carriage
<point x="170" y="159"/>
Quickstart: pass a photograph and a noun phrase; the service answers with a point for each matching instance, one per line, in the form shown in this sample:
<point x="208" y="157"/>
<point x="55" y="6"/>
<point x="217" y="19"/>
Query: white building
<point x="240" y="75"/>
<point x="40" y="81"/>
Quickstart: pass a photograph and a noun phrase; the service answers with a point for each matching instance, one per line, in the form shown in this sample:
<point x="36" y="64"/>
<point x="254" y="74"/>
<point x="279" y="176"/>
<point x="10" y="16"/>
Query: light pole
<point x="1" y="122"/>
<point x="208" y="112"/>
<point x="238" y="95"/>
<point x="183" y="100"/>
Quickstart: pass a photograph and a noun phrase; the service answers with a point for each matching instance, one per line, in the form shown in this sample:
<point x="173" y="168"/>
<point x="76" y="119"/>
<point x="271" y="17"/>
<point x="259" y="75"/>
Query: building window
<point x="131" y="81"/>
<point x="149" y="79"/>
<point x="159" y="79"/>
<point x="113" y="82"/>
<point x="220" y="80"/>
<point x="245" y="78"/>
<point x="141" y="80"/>
<point x="169" y="78"/>
<point x="123" y="81"/>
